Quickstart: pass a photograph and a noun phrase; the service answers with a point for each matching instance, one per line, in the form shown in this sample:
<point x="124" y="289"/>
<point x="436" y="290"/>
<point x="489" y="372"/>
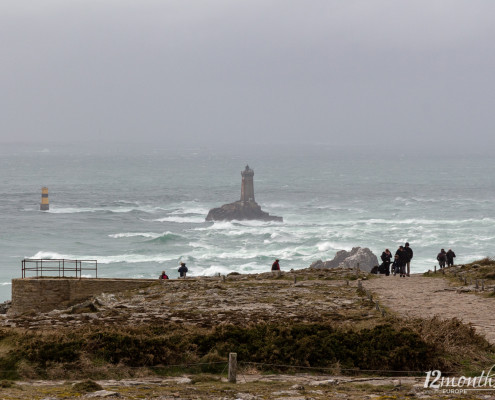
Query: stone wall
<point x="46" y="294"/>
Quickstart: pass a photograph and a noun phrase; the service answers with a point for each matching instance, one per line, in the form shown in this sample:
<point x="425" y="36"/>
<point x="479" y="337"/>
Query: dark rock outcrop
<point x="240" y="210"/>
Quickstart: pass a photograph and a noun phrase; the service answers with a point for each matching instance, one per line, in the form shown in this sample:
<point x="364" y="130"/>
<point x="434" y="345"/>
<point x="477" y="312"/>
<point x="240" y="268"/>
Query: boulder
<point x="361" y="256"/>
<point x="5" y="306"/>
<point x="240" y="210"/>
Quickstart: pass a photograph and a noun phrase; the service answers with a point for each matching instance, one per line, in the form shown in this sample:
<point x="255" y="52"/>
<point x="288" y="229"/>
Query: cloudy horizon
<point x="176" y="72"/>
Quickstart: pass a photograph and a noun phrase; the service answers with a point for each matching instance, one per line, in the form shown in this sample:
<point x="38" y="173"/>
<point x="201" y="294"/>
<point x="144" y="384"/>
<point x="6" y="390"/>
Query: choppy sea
<point x="140" y="212"/>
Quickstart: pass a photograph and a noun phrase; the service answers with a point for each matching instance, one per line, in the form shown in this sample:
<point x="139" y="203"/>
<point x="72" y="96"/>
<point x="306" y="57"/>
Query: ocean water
<point x="140" y="212"/>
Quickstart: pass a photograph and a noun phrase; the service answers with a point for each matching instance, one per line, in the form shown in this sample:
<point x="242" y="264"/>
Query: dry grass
<point x="483" y="269"/>
<point x="460" y="347"/>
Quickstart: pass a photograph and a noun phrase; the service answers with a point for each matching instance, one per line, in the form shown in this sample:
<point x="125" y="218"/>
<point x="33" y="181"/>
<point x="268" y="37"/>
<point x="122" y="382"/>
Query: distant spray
<point x="45" y="203"/>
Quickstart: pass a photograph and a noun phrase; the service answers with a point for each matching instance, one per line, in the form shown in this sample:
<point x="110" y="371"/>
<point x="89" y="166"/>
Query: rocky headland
<point x="335" y="320"/>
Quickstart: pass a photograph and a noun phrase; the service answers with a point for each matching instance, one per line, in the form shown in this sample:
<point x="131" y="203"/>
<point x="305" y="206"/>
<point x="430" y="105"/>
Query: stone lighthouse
<point x="245" y="208"/>
<point x="247" y="185"/>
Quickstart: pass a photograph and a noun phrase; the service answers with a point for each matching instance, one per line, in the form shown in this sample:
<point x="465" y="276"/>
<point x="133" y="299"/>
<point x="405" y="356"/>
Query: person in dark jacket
<point x="276" y="266"/>
<point x="442" y="257"/>
<point x="182" y="270"/>
<point x="387" y="260"/>
<point x="409" y="254"/>
<point x="396" y="265"/>
<point x="163" y="275"/>
<point x="450" y="257"/>
<point x="401" y="252"/>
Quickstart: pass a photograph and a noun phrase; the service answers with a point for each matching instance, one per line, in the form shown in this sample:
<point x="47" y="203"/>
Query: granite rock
<point x="361" y="256"/>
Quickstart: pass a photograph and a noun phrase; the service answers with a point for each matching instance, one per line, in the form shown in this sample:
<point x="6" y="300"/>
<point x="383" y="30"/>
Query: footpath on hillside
<point x="420" y="296"/>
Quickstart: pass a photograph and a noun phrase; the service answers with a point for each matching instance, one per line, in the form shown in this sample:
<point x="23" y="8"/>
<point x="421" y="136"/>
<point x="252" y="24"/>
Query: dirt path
<point x="419" y="296"/>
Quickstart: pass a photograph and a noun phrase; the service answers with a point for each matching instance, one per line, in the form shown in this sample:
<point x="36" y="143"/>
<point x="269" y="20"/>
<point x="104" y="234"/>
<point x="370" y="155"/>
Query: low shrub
<point x="407" y="345"/>
<point x="86" y="386"/>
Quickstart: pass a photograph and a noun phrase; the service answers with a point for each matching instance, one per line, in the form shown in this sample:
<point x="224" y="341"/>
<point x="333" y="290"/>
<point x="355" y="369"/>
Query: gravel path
<point x="419" y="296"/>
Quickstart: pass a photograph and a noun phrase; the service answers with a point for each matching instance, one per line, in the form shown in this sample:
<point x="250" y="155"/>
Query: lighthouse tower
<point x="247" y="186"/>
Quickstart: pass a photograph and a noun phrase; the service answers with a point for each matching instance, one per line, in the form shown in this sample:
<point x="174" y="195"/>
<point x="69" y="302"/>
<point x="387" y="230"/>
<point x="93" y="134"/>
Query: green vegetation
<point x="110" y="352"/>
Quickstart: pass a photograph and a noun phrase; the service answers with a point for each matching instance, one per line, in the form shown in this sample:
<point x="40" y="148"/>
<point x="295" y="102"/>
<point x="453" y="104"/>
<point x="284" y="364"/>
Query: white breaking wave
<point x="192" y="210"/>
<point x="51" y="255"/>
<point x="120" y="258"/>
<point x="485" y="239"/>
<point x="122" y="209"/>
<point x="182" y="220"/>
<point x="71" y="210"/>
<point x="409" y="221"/>
<point x="325" y="246"/>
<point x="254" y="268"/>
<point x="256" y="223"/>
<point x="200" y="245"/>
<point x="139" y="234"/>
<point x="234" y="233"/>
<point x="253" y="253"/>
<point x="135" y="258"/>
<point x="212" y="270"/>
<point x="221" y="225"/>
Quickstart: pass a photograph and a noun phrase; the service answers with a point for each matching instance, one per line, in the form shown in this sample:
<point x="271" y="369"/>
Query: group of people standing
<point x="402" y="261"/>
<point x="445" y="257"/>
<point x="400" y="265"/>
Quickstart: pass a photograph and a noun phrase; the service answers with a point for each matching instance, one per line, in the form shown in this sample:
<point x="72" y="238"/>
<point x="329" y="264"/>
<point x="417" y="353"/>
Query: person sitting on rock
<point x="163" y="275"/>
<point x="182" y="270"/>
<point x="276" y="266"/>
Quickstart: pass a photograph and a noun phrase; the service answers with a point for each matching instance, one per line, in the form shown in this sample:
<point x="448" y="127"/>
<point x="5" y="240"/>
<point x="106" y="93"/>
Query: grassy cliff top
<point x="308" y="320"/>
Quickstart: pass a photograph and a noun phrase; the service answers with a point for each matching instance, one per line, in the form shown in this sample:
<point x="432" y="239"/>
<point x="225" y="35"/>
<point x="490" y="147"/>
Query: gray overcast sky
<point x="179" y="71"/>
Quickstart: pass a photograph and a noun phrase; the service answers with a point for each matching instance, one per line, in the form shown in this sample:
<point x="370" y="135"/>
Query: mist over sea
<point x="140" y="212"/>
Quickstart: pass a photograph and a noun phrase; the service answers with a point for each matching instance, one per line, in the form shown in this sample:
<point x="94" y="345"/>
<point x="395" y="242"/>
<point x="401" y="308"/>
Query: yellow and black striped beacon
<point x="45" y="203"/>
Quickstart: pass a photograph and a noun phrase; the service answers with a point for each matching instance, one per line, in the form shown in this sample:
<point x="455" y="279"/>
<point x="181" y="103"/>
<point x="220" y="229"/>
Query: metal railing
<point x="63" y="267"/>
